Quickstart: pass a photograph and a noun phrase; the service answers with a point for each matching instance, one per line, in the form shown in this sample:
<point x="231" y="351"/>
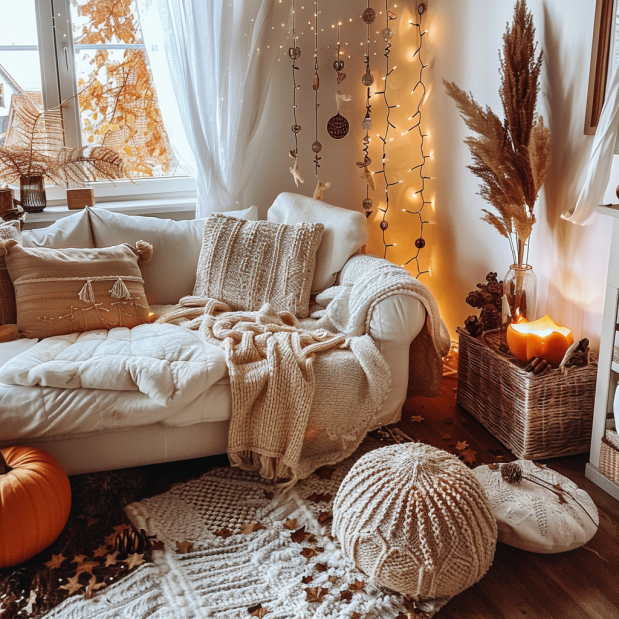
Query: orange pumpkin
<point x="35" y="500"/>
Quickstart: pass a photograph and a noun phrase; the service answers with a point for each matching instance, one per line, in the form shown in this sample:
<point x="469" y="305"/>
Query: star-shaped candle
<point x="542" y="338"/>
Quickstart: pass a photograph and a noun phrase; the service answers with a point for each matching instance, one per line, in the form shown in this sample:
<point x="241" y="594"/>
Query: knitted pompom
<point x="5" y="246"/>
<point x="415" y="519"/>
<point x="144" y="251"/>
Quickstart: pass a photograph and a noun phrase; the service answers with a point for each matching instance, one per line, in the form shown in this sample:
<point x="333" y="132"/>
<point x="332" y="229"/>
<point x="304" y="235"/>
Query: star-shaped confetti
<point x="461" y="445"/>
<point x="185" y="547"/>
<point x="134" y="560"/>
<point x="86" y="566"/>
<point x="101" y="551"/>
<point x="111" y="559"/>
<point x="72" y="585"/>
<point x="56" y="561"/>
<point x="417" y="418"/>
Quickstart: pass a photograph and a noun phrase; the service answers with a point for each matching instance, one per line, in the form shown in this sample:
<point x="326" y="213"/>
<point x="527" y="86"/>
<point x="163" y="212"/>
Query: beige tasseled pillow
<point x="60" y="291"/>
<point x="249" y="263"/>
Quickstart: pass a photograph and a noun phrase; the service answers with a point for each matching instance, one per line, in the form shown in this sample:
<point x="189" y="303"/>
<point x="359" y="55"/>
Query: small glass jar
<point x="520" y="288"/>
<point x="32" y="194"/>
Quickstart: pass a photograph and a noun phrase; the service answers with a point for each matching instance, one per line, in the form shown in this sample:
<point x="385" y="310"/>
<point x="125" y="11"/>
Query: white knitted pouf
<point x="415" y="519"/>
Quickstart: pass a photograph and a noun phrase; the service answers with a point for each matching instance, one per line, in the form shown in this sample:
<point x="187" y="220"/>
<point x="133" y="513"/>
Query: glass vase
<point x="520" y="288"/>
<point x="32" y="194"/>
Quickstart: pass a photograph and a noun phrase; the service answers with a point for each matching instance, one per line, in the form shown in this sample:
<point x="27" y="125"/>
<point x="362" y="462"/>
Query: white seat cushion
<point x="9" y="350"/>
<point x="171" y="273"/>
<point x="71" y="231"/>
<point x="345" y="232"/>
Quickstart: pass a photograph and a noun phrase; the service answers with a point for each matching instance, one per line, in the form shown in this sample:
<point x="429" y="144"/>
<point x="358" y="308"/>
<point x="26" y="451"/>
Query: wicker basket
<point x="609" y="456"/>
<point x="536" y="417"/>
<point x="8" y="311"/>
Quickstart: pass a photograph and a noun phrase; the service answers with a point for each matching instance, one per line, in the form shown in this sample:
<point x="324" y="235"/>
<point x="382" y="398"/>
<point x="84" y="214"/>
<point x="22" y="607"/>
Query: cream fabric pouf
<point x="415" y="519"/>
<point x="534" y="517"/>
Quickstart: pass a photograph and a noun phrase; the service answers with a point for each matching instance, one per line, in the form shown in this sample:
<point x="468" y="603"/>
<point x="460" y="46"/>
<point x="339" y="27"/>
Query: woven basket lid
<point x="415" y="519"/>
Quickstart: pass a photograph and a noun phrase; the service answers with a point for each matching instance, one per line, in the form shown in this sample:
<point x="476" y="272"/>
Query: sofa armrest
<point x="396" y="321"/>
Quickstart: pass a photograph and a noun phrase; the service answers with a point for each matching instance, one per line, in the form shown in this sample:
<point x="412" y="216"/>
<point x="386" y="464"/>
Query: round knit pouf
<point x="415" y="519"/>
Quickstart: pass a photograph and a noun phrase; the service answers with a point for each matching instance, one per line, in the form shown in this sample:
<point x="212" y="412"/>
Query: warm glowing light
<point x="541" y="338"/>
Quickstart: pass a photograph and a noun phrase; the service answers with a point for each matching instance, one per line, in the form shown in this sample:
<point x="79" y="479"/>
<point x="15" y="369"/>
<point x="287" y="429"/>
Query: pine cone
<point x="130" y="541"/>
<point x="538" y="366"/>
<point x="491" y="278"/>
<point x="475" y="299"/>
<point x="473" y="326"/>
<point x="580" y="356"/>
<point x="490" y="317"/>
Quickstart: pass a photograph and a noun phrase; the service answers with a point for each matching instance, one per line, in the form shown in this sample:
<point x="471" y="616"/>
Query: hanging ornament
<point x="341" y="77"/>
<point x="367" y="122"/>
<point x="368" y="78"/>
<point x="387" y="33"/>
<point x="294" y="53"/>
<point x="296" y="128"/>
<point x="294" y="170"/>
<point x="420" y="243"/>
<point x="383" y="225"/>
<point x="338" y="65"/>
<point x="367" y="175"/>
<point x="367" y="204"/>
<point x="316" y="85"/>
<point x="320" y="189"/>
<point x="316" y="146"/>
<point x="369" y="15"/>
<point x="338" y="126"/>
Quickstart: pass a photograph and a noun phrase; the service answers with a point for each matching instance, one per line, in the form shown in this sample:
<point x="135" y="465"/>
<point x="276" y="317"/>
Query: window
<point x="90" y="56"/>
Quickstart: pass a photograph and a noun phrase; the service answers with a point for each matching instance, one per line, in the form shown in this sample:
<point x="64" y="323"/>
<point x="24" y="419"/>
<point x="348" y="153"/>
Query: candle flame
<point x="542" y="327"/>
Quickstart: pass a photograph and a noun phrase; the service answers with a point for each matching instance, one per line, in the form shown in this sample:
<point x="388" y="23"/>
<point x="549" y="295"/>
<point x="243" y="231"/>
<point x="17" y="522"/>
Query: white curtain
<point x="601" y="159"/>
<point x="212" y="62"/>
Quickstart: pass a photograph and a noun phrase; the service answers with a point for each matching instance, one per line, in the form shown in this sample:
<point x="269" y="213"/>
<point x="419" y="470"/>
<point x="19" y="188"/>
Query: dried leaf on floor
<point x="346" y="595"/>
<point x="251" y="527"/>
<point x="315" y="594"/>
<point x="268" y="495"/>
<point x="290" y="524"/>
<point x="315" y="497"/>
<point x="356" y="586"/>
<point x="257" y="611"/>
<point x="321" y="567"/>
<point x="308" y="553"/>
<point x="333" y="579"/>
<point x="225" y="533"/>
<point x="324" y="517"/>
<point x="86" y="566"/>
<point x="417" y="418"/>
<point x="157" y="545"/>
<point x="355" y="615"/>
<point x="136" y="559"/>
<point x="325" y="472"/>
<point x="446" y="437"/>
<point x="461" y="445"/>
<point x="299" y="535"/>
<point x="307" y="580"/>
<point x="468" y="456"/>
<point x="185" y="547"/>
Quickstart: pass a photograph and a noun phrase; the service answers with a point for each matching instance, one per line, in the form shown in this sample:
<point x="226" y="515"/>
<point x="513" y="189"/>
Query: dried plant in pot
<point x="511" y="156"/>
<point x="35" y="152"/>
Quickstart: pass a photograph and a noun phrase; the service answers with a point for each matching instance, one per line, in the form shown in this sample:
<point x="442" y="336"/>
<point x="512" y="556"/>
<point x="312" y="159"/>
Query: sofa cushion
<point x="345" y="232"/>
<point x="249" y="263"/>
<point x="171" y="274"/>
<point x="71" y="231"/>
<point x="61" y="291"/>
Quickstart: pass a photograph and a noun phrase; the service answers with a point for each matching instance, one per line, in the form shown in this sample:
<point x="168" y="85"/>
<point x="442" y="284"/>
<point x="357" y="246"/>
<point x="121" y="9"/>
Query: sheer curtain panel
<point x="212" y="62"/>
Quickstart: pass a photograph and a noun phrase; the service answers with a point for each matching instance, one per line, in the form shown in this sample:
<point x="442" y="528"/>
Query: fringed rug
<point x="230" y="546"/>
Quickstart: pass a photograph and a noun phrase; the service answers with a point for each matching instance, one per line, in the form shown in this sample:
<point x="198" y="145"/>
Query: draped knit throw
<point x="304" y="395"/>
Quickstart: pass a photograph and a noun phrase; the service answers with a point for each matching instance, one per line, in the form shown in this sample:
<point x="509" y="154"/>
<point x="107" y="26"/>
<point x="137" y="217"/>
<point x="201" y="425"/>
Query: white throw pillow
<point x="345" y="232"/>
<point x="545" y="512"/>
<point x="71" y="231"/>
<point x="171" y="273"/>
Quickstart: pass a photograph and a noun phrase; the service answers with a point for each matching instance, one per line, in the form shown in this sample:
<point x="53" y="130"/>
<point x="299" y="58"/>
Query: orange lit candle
<point x="541" y="338"/>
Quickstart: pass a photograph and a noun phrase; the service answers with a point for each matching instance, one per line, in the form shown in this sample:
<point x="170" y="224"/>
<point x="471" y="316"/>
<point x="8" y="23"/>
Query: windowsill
<point x="173" y="208"/>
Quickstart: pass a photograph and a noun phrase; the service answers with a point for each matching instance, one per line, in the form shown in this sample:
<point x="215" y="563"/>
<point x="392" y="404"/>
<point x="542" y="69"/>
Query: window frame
<point x="59" y="86"/>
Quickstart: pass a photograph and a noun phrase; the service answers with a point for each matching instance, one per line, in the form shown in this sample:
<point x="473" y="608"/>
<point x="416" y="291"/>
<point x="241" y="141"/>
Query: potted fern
<point x="511" y="156"/>
<point x="34" y="152"/>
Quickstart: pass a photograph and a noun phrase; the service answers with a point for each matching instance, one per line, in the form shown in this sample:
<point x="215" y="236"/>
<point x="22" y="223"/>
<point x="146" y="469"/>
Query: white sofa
<point x="202" y="429"/>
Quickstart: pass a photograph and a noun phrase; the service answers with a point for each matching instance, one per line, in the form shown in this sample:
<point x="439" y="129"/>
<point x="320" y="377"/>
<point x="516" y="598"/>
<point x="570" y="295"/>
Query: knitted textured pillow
<point x="8" y="312"/>
<point x="538" y="509"/>
<point x="60" y="291"/>
<point x="249" y="263"/>
<point x="415" y="519"/>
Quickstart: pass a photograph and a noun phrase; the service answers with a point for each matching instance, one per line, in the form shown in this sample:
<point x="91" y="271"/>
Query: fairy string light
<point x="417" y="119"/>
<point x="295" y="52"/>
<point x="387" y="33"/>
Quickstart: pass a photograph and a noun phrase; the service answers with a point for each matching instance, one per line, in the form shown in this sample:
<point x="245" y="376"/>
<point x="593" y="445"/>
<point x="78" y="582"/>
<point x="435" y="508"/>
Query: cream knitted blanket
<point x="301" y="398"/>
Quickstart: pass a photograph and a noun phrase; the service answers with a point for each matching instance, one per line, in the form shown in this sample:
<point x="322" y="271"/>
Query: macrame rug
<point x="231" y="546"/>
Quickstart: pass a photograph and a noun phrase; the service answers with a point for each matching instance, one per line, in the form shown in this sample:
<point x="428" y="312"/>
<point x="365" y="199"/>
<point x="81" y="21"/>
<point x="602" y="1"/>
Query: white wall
<point x="463" y="42"/>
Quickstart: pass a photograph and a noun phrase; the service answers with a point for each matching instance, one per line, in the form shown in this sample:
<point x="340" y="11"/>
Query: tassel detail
<point x="144" y="252"/>
<point x="119" y="290"/>
<point x="87" y="294"/>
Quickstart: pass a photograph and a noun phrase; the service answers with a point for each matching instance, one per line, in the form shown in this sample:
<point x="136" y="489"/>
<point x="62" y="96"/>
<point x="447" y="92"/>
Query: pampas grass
<point x="510" y="156"/>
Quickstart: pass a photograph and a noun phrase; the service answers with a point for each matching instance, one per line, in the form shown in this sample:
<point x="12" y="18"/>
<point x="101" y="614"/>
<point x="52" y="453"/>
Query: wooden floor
<point x="581" y="584"/>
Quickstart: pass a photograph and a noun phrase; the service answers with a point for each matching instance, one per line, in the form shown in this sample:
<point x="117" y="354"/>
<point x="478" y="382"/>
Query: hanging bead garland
<point x="369" y="16"/>
<point x="387" y="33"/>
<point x="295" y="53"/>
<point x="417" y="117"/>
<point x="338" y="126"/>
